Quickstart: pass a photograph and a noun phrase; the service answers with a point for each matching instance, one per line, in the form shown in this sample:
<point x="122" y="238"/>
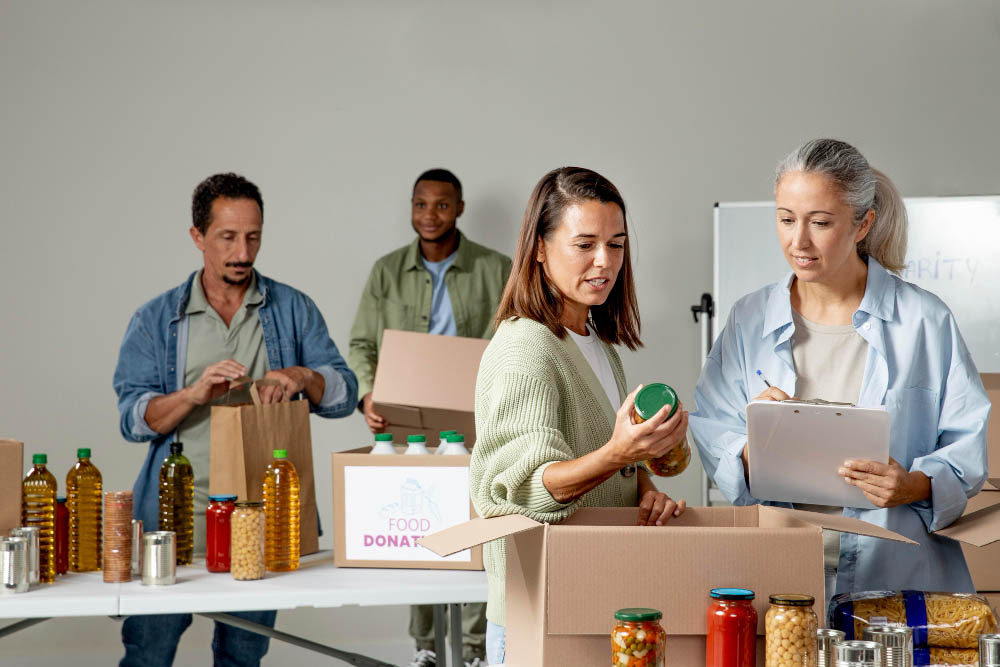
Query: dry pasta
<point x="943" y="620"/>
<point x="963" y="657"/>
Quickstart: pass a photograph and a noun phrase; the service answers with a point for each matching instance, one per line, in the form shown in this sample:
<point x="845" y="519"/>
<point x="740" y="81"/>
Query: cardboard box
<point x="979" y="532"/>
<point x="11" y="475"/>
<point x="382" y="506"/>
<point x="565" y="581"/>
<point x="426" y="383"/>
<point x="992" y="383"/>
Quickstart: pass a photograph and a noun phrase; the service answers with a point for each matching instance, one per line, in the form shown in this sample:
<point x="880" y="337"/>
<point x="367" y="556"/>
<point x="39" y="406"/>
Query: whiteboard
<point x="953" y="251"/>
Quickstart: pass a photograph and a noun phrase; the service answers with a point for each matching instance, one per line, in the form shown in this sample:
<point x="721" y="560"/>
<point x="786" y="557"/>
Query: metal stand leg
<point x="439" y="646"/>
<point x="455" y="627"/>
<point x="21" y="625"/>
<point x="250" y="626"/>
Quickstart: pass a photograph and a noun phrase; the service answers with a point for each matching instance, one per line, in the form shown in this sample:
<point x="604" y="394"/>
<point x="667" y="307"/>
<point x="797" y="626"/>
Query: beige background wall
<point x="112" y="112"/>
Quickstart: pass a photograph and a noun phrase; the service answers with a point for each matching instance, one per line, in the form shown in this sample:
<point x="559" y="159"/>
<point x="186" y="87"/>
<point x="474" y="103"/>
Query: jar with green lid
<point x="638" y="638"/>
<point x="648" y="402"/>
<point x="790" y="631"/>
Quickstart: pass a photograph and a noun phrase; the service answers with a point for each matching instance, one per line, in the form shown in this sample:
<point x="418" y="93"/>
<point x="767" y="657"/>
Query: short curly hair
<point x="228" y="185"/>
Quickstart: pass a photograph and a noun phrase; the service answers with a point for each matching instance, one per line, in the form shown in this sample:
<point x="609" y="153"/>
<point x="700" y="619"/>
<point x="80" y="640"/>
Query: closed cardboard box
<point x="426" y="383"/>
<point x="565" y="581"/>
<point x="383" y="505"/>
<point x="11" y="474"/>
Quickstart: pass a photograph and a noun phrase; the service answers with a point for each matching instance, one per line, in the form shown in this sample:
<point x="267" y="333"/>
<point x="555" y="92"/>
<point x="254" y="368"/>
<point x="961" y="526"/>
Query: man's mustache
<point x="240" y="265"/>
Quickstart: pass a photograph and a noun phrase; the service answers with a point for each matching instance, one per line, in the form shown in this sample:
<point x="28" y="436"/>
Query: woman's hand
<point x="655" y="507"/>
<point x="886" y="485"/>
<point x="631" y="443"/>
<point x="769" y="394"/>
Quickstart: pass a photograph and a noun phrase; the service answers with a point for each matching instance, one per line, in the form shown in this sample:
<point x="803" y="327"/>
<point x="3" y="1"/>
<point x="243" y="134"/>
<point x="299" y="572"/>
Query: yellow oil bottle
<point x="177" y="501"/>
<point x="281" y="511"/>
<point x="84" y="502"/>
<point x="38" y="508"/>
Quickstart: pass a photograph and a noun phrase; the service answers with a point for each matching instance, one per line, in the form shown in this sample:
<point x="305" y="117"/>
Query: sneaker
<point x="476" y="662"/>
<point x="424" y="658"/>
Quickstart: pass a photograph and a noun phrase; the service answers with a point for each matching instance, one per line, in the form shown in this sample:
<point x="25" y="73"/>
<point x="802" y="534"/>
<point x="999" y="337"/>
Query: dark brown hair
<point x="529" y="294"/>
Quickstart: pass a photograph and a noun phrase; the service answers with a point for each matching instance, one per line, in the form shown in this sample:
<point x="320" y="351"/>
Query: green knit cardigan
<point x="537" y="402"/>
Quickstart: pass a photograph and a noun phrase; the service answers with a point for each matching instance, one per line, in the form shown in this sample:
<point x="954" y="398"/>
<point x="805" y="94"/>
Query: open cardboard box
<point x="11" y="472"/>
<point x="382" y="505"/>
<point x="979" y="532"/>
<point x="426" y="383"/>
<point x="566" y="580"/>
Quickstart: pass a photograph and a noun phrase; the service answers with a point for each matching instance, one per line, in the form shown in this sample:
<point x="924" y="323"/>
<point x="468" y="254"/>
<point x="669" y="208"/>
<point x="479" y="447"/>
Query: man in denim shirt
<point x="181" y="350"/>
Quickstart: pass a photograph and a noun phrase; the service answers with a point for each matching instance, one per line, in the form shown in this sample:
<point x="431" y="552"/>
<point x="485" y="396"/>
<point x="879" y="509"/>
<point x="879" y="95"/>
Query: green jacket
<point x="398" y="296"/>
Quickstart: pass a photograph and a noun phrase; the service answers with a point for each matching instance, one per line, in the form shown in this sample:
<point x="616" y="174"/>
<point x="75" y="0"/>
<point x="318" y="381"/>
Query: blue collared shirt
<point x="918" y="367"/>
<point x="152" y="359"/>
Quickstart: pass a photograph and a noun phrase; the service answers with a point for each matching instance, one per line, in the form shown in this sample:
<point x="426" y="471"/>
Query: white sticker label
<point x="389" y="508"/>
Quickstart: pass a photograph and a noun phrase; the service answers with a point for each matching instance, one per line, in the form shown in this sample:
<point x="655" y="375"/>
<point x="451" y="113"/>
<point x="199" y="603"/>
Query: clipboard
<point x="796" y="447"/>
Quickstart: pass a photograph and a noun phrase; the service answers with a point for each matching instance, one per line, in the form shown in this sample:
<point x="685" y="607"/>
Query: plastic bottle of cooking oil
<point x="281" y="514"/>
<point x="38" y="508"/>
<point x="83" y="500"/>
<point x="177" y="501"/>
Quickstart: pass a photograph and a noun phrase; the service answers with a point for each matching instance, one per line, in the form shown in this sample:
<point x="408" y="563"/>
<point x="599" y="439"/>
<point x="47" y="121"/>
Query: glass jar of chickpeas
<point x="247" y="541"/>
<point x="790" y="626"/>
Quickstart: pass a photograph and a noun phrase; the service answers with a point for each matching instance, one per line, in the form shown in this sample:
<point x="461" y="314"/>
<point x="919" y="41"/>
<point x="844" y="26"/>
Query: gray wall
<point x="112" y="112"/>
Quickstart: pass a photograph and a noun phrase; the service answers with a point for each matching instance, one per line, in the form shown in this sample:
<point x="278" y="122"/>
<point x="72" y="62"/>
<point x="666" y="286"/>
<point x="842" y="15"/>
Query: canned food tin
<point x="13" y="565"/>
<point x="989" y="650"/>
<point x="859" y="654"/>
<point x="33" y="534"/>
<point x="825" y="639"/>
<point x="159" y="558"/>
<point x="897" y="643"/>
<point x="136" y="547"/>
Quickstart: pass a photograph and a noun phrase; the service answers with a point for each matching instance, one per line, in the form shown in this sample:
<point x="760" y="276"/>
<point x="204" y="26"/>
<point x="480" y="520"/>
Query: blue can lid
<point x="732" y="594"/>
<point x="221" y="499"/>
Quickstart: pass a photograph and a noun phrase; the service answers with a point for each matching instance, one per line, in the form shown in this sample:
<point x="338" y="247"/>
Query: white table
<point x="317" y="583"/>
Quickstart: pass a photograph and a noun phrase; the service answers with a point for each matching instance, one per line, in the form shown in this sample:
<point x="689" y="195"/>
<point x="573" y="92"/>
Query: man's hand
<point x="886" y="485"/>
<point x="214" y="381"/>
<point x="655" y="507"/>
<point x="293" y="379"/>
<point x="375" y="421"/>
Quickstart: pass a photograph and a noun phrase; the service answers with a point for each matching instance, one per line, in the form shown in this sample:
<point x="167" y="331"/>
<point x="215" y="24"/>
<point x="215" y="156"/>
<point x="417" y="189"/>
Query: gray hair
<point x="864" y="189"/>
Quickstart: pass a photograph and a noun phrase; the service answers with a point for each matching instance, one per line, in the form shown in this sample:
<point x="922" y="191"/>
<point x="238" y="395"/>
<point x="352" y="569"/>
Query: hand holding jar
<point x="633" y="442"/>
<point x="649" y="402"/>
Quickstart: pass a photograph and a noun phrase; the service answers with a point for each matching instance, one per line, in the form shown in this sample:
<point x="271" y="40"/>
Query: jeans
<point x="151" y="641"/>
<point x="496" y="643"/>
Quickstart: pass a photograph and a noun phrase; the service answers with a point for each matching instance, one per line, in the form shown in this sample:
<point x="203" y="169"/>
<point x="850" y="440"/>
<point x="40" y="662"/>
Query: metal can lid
<point x="638" y="614"/>
<point x="793" y="600"/>
<point x="654" y="396"/>
<point x="732" y="594"/>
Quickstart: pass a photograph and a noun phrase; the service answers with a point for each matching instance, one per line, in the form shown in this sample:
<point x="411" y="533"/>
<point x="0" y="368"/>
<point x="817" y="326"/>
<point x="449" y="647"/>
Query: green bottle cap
<point x="39" y="459"/>
<point x="654" y="396"/>
<point x="456" y="437"/>
<point x="83" y="453"/>
<point x="416" y="438"/>
<point x="445" y="434"/>
<point x="638" y="615"/>
<point x="383" y="437"/>
<point x="281" y="453"/>
<point x="176" y="447"/>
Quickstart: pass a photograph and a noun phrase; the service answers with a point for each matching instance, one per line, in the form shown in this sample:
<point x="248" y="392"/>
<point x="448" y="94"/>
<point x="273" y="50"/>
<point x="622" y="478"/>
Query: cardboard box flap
<point x="993" y="482"/>
<point x="478" y="531"/>
<point x="978" y="528"/>
<point x="429" y="371"/>
<point x="777" y="517"/>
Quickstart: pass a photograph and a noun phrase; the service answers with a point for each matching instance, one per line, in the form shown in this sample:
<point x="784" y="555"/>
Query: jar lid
<point x="249" y="503"/>
<point x="383" y="437"/>
<point x="654" y="396"/>
<point x="732" y="594"/>
<point x="638" y="614"/>
<point x="60" y="499"/>
<point x="416" y="438"/>
<point x="222" y="498"/>
<point x="793" y="600"/>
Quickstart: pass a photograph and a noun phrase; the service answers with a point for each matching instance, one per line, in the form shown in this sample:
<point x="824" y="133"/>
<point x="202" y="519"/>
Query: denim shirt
<point x="918" y="367"/>
<point x="152" y="359"/>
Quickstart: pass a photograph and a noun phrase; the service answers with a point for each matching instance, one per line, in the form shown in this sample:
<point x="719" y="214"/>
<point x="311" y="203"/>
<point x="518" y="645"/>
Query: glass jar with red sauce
<point x="62" y="536"/>
<point x="732" y="629"/>
<point x="217" y="545"/>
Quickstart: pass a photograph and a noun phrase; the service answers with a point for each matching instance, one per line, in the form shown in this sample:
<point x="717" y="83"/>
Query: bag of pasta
<point x="939" y="620"/>
<point x="952" y="657"/>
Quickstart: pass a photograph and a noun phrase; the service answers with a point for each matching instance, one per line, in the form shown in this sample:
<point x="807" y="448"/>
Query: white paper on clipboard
<point x="795" y="449"/>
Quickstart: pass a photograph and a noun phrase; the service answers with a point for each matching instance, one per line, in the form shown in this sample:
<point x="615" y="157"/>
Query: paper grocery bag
<point x="244" y="437"/>
<point x="11" y="472"/>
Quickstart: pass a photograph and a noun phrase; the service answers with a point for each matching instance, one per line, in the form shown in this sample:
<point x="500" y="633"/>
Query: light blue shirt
<point x="442" y="316"/>
<point x="918" y="367"/>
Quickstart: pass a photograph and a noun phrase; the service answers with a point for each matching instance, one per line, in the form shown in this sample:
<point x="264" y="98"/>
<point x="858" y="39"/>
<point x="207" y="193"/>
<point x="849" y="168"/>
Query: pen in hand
<point x="761" y="376"/>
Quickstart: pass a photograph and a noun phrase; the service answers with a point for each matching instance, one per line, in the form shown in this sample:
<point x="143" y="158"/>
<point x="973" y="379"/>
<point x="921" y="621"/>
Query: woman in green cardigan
<point x="553" y="423"/>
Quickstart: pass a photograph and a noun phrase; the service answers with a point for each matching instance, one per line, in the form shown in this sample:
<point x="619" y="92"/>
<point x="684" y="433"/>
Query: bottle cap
<point x="445" y="434"/>
<point x="176" y="447"/>
<point x="281" y="453"/>
<point x="383" y="437"/>
<point x="39" y="459"/>
<point x="416" y="438"/>
<point x="83" y="453"/>
<point x="456" y="437"/>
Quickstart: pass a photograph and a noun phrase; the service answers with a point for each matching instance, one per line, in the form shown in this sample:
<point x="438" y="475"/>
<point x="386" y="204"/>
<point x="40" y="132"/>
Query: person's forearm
<point x="165" y="413"/>
<point x="315" y="385"/>
<point x="644" y="482"/>
<point x="920" y="487"/>
<point x="568" y="480"/>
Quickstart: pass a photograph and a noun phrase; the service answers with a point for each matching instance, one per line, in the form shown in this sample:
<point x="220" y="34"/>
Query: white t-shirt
<point x="595" y="355"/>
